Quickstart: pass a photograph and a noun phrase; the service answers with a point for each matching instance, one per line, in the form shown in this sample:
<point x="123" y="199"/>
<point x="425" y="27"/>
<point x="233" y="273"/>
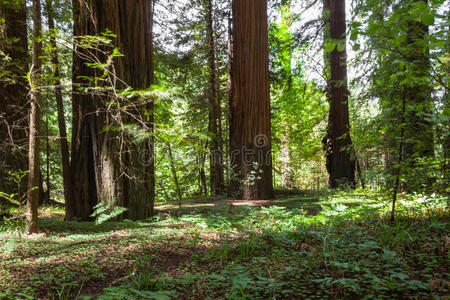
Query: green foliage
<point x="13" y="225"/>
<point x="330" y="244"/>
<point x="16" y="198"/>
<point x="405" y="66"/>
<point x="346" y="250"/>
<point x="105" y="211"/>
<point x="298" y="108"/>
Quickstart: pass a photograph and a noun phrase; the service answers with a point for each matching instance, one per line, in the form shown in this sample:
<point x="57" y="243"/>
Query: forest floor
<point x="308" y="245"/>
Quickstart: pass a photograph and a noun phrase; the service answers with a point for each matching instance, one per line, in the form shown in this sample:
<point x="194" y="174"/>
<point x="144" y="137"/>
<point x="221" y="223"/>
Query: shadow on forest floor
<point x="310" y="201"/>
<point x="209" y="247"/>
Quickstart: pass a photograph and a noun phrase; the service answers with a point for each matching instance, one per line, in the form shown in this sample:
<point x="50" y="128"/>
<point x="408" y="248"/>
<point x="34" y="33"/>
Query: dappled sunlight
<point x="256" y="242"/>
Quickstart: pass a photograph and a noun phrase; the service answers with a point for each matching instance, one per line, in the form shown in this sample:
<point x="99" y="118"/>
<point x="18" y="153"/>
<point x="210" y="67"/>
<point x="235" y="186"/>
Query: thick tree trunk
<point x="340" y="165"/>
<point x="65" y="155"/>
<point x="100" y="173"/>
<point x="250" y="132"/>
<point x="88" y="120"/>
<point x="137" y="69"/>
<point x="14" y="115"/>
<point x="35" y="120"/>
<point x="216" y="158"/>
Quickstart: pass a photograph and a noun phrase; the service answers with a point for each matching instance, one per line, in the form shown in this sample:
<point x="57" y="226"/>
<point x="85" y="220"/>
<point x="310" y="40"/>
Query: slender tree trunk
<point x="446" y="141"/>
<point x="175" y="175"/>
<point x="230" y="100"/>
<point x="35" y="118"/>
<point x="202" y="169"/>
<point x="400" y="158"/>
<point x="46" y="200"/>
<point x="340" y="166"/>
<point x="287" y="179"/>
<point x="216" y="159"/>
<point x="250" y="132"/>
<point x="220" y="136"/>
<point x="14" y="110"/>
<point x="360" y="174"/>
<point x="65" y="156"/>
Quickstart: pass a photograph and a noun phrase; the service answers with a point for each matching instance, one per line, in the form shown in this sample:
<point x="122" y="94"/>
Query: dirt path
<point x="214" y="202"/>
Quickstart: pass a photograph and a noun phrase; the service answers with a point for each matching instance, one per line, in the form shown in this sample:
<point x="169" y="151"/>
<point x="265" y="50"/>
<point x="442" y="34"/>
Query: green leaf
<point x="116" y="53"/>
<point x="372" y="29"/>
<point x="427" y="19"/>
<point x="400" y="276"/>
<point x="341" y="47"/>
<point x="329" y="47"/>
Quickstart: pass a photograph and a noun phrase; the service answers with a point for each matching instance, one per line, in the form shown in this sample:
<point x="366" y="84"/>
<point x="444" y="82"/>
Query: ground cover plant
<point x="313" y="247"/>
<point x="224" y="149"/>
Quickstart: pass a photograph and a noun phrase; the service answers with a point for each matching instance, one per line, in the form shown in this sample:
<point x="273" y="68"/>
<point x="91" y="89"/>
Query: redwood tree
<point x="135" y="37"/>
<point x="13" y="92"/>
<point x="250" y="132"/>
<point x="340" y="165"/>
<point x="100" y="171"/>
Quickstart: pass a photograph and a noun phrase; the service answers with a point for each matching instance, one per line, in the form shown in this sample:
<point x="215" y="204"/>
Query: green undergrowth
<point x="342" y="251"/>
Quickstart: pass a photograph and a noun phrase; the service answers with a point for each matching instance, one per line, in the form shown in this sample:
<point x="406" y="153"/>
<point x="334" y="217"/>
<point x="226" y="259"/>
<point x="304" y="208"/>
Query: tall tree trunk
<point x="216" y="158"/>
<point x="250" y="132"/>
<point x="14" y="115"/>
<point x="65" y="156"/>
<point x="88" y="119"/>
<point x="46" y="199"/>
<point x="230" y="98"/>
<point x="35" y="121"/>
<point x="446" y="140"/>
<point x="287" y="177"/>
<point x="220" y="95"/>
<point x="97" y="165"/>
<point x="340" y="165"/>
<point x="137" y="67"/>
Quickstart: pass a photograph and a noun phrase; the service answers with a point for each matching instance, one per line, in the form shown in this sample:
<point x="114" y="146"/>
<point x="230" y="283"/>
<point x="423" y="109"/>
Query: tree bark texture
<point x="136" y="42"/>
<point x="250" y="131"/>
<point x="100" y="173"/>
<point x="14" y="114"/>
<point x="35" y="120"/>
<point x="340" y="165"/>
